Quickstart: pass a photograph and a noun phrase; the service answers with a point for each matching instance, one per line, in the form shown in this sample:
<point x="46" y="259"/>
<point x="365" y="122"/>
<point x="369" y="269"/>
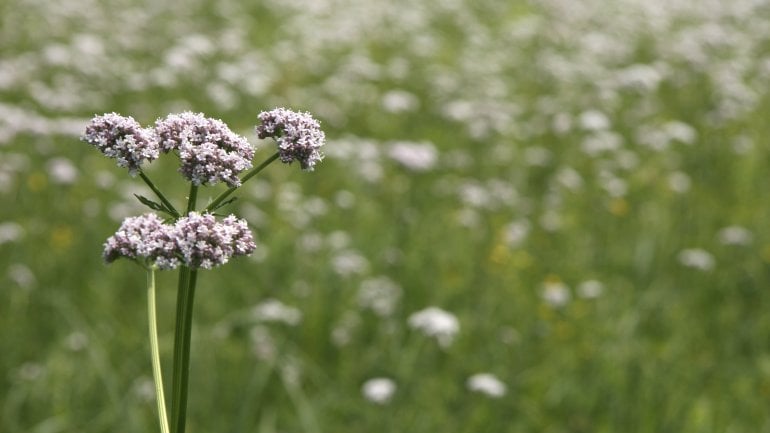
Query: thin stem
<point x="159" y="194"/>
<point x="253" y="172"/>
<point x="156" y="371"/>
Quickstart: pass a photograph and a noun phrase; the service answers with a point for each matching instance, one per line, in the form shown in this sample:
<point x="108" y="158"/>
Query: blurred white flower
<point x="344" y="199"/>
<point x="556" y="293"/>
<point x="516" y="232"/>
<point x="342" y="333"/>
<point x="569" y="178"/>
<point x="31" y="371"/>
<point x="487" y="384"/>
<point x="590" y="289"/>
<point x="680" y="131"/>
<point x="76" y="341"/>
<point x="474" y="194"/>
<point x="273" y="310"/>
<point x="414" y="156"/>
<point x="594" y="120"/>
<point x="561" y="123"/>
<point x="468" y="217"/>
<point x="397" y="101"/>
<point x="21" y="275"/>
<point x="615" y="186"/>
<point x="143" y="388"/>
<point x="640" y="77"/>
<point x="550" y="220"/>
<point x="435" y="322"/>
<point x="602" y="141"/>
<point x="697" y="258"/>
<point x="104" y="179"/>
<point x="349" y="262"/>
<point x="62" y="171"/>
<point x="263" y="345"/>
<point x="379" y="390"/>
<point x="338" y="239"/>
<point x="735" y="235"/>
<point x="380" y="295"/>
<point x="10" y="232"/>
<point x="679" y="182"/>
<point x="310" y="242"/>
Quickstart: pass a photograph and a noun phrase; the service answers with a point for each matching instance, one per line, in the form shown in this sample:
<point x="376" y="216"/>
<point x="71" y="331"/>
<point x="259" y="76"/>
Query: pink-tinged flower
<point x="298" y="135"/>
<point x="196" y="241"/>
<point x="208" y="150"/>
<point x="145" y="239"/>
<point x="205" y="243"/>
<point x="122" y="138"/>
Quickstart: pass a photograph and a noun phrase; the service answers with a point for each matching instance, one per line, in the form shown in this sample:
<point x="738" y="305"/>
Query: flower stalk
<point x="253" y="172"/>
<point x="155" y="352"/>
<point x="182" y="337"/>
<point x="159" y="194"/>
<point x="182" y="334"/>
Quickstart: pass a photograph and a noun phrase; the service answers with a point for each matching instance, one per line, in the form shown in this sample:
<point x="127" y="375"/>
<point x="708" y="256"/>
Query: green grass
<point x="664" y="347"/>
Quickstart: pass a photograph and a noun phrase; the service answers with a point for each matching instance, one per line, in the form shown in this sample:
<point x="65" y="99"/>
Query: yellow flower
<point x="36" y="182"/>
<point x="619" y="207"/>
<point x="61" y="237"/>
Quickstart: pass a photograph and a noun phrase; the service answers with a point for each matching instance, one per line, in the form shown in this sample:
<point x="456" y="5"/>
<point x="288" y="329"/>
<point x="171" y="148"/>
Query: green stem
<point x="159" y="194"/>
<point x="186" y="295"/>
<point x="192" y="198"/>
<point x="156" y="371"/>
<point x="182" y="334"/>
<point x="253" y="172"/>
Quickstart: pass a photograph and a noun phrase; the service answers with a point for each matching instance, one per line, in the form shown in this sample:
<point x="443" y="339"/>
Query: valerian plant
<point x="209" y="153"/>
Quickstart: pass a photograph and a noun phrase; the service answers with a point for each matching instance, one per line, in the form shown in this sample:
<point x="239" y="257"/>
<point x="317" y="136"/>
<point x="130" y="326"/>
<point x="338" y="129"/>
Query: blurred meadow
<point x="542" y="216"/>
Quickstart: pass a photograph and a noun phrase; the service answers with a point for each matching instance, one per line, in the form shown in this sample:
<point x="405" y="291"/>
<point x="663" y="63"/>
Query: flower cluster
<point x="209" y="151"/>
<point x="298" y="135"/>
<point x="205" y="243"/>
<point x="123" y="139"/>
<point x="144" y="238"/>
<point x="196" y="241"/>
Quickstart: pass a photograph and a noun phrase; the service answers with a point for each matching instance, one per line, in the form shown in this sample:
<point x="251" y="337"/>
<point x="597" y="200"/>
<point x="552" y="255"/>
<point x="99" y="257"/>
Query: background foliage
<point x="582" y="185"/>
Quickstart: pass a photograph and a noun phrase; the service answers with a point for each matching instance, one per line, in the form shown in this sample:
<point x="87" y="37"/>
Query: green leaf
<point x="224" y="203"/>
<point x="153" y="205"/>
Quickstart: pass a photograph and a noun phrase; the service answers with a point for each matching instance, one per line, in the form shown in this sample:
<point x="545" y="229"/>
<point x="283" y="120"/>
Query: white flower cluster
<point x="298" y="135"/>
<point x="208" y="150"/>
<point x="196" y="241"/>
<point x="122" y="138"/>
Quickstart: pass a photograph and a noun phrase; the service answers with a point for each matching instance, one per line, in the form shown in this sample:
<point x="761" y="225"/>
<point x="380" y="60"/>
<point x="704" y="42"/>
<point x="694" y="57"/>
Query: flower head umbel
<point x="209" y="151"/>
<point x="146" y="239"/>
<point x="205" y="243"/>
<point x="298" y="135"/>
<point x="123" y="139"/>
<point x="197" y="241"/>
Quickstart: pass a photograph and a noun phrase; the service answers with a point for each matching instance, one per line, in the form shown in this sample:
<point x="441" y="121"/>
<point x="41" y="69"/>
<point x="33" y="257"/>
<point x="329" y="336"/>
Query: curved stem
<point x="159" y="194"/>
<point x="253" y="172"/>
<point x="156" y="370"/>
